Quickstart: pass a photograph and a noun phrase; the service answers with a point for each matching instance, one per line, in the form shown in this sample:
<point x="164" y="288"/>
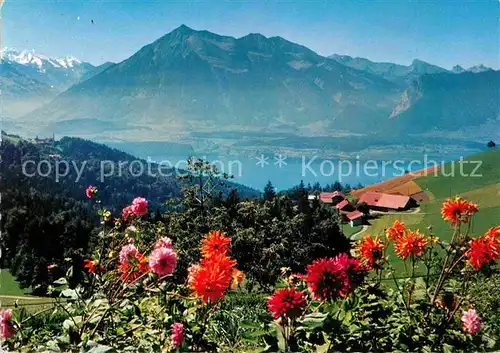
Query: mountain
<point x="96" y="70"/>
<point x="30" y="79"/>
<point x="397" y="73"/>
<point x="451" y="102"/>
<point x="457" y="69"/>
<point x="59" y="73"/>
<point x="21" y="93"/>
<point x="479" y="68"/>
<point x="198" y="81"/>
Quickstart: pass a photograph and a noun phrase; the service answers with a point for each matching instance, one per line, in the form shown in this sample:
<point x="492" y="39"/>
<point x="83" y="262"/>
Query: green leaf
<point x="324" y="347"/>
<point x="69" y="293"/>
<point x="101" y="349"/>
<point x="61" y="281"/>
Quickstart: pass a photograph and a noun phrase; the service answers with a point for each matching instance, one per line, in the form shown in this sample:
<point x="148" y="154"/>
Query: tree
<point x="269" y="192"/>
<point x="363" y="208"/>
<point x="491" y="144"/>
<point x="337" y="186"/>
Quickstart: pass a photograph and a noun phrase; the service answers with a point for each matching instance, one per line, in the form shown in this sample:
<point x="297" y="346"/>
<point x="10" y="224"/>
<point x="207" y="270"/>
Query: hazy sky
<point x="443" y="32"/>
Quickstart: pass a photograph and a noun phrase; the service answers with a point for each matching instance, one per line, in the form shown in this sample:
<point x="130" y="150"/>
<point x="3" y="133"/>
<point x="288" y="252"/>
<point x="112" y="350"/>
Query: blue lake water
<point x="287" y="172"/>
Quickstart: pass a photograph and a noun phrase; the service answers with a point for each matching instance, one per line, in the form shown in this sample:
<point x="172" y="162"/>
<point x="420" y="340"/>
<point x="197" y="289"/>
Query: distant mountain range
<point x="400" y="73"/>
<point x="190" y="83"/>
<point x="30" y="79"/>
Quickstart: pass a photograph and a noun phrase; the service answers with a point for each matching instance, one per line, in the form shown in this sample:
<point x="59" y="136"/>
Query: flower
<point x="6" y="327"/>
<point x="370" y="250"/>
<point x="192" y="270"/>
<point x="287" y="303"/>
<point x="471" y="321"/>
<point x="458" y="210"/>
<point x="127" y="252"/>
<point x="51" y="266"/>
<point x="216" y="242"/>
<point x="212" y="278"/>
<point x="177" y="336"/>
<point x="329" y="278"/>
<point x="162" y="261"/>
<point x="483" y="250"/>
<point x="127" y="213"/>
<point x="493" y="232"/>
<point x="139" y="206"/>
<point x="396" y="231"/>
<point x="133" y="269"/>
<point x="237" y="277"/>
<point x="93" y="266"/>
<point x="163" y="242"/>
<point x="106" y="215"/>
<point x="411" y="243"/>
<point x="91" y="192"/>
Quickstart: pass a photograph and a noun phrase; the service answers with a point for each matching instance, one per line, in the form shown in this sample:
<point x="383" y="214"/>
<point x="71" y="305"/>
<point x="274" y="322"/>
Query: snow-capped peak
<point x="68" y="61"/>
<point x="32" y="58"/>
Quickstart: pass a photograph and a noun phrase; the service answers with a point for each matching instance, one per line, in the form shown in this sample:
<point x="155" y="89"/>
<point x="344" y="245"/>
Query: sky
<point x="442" y="32"/>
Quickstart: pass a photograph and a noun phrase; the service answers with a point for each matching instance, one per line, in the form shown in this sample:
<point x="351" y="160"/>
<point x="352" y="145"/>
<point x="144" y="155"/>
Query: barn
<point x="386" y="202"/>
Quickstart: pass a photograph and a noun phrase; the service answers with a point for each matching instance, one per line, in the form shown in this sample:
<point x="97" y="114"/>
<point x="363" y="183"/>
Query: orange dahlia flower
<point x="216" y="242"/>
<point x="93" y="266"/>
<point x="370" y="250"/>
<point x="134" y="268"/>
<point x="458" y="210"/>
<point x="411" y="243"/>
<point x="212" y="278"/>
<point x="396" y="231"/>
<point x="238" y="277"/>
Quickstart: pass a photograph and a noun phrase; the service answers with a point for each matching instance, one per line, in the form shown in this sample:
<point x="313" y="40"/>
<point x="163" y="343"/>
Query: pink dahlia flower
<point x="91" y="192"/>
<point x="128" y="252"/>
<point x="177" y="336"/>
<point x="128" y="213"/>
<point x="6" y="328"/>
<point x="471" y="321"/>
<point x="163" y="242"/>
<point x="140" y="206"/>
<point x="162" y="261"/>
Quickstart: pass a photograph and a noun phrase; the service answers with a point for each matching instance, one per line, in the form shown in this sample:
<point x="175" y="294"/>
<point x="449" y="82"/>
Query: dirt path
<point x="356" y="235"/>
<point x="27" y="297"/>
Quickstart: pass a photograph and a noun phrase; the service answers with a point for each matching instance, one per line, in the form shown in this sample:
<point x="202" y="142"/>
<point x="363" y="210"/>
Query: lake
<point x="287" y="172"/>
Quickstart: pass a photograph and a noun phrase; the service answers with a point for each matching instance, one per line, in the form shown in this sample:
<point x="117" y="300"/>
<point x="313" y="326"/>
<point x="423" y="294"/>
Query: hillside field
<point x="483" y="190"/>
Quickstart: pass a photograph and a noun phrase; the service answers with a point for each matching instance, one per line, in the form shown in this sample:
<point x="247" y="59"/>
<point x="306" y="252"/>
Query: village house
<point x="386" y="202"/>
<point x="332" y="198"/>
<point x="345" y="206"/>
<point x="354" y="218"/>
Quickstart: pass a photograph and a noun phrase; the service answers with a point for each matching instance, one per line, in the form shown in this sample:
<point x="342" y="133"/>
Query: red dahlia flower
<point x="330" y="278"/>
<point x="482" y="251"/>
<point x="287" y="303"/>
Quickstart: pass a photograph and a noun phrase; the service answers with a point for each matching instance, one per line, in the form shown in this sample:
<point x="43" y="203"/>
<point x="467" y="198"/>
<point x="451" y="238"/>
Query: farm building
<point x="355" y="218"/>
<point x="387" y="202"/>
<point x="332" y="197"/>
<point x="345" y="205"/>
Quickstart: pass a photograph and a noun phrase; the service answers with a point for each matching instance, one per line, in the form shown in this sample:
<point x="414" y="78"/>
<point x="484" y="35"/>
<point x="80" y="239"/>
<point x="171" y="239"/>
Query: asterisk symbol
<point x="262" y="161"/>
<point x="280" y="161"/>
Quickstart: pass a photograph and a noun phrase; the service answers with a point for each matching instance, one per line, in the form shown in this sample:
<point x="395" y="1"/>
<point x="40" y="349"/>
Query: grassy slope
<point x="11" y="295"/>
<point x="8" y="284"/>
<point x="484" y="190"/>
